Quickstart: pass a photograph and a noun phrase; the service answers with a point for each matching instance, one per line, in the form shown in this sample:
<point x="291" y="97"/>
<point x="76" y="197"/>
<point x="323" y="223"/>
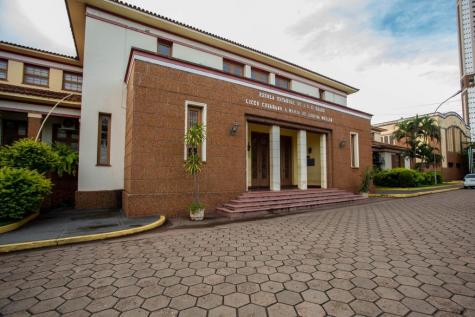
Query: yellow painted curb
<point x="413" y="194"/>
<point x="77" y="239"/>
<point x="18" y="224"/>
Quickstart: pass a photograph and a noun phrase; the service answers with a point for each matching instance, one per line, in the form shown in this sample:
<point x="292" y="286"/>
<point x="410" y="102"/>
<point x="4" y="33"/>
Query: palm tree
<point x="430" y="131"/>
<point x="410" y="131"/>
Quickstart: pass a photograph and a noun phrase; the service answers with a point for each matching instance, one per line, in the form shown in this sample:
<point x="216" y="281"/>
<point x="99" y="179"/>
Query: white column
<point x="274" y="140"/>
<point x="302" y="159"/>
<point x="272" y="78"/>
<point x="443" y="147"/>
<point x="388" y="161"/>
<point x="247" y="71"/>
<point x="323" y="160"/>
<point x="407" y="162"/>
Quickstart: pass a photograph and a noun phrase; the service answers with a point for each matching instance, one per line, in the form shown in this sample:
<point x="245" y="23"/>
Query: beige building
<point x="455" y="135"/>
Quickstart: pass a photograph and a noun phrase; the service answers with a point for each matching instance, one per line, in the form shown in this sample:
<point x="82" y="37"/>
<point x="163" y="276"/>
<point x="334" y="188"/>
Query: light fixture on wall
<point x="234" y="129"/>
<point x="342" y="144"/>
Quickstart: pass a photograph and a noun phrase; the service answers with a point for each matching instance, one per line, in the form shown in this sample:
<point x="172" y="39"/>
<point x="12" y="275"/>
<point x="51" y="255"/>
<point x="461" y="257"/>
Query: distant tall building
<point x="466" y="37"/>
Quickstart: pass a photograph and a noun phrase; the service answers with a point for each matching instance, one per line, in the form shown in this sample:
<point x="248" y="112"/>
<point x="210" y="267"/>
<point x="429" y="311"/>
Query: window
<point x="260" y="75"/>
<point x="195" y="113"/>
<point x="36" y="75"/>
<point x="282" y="82"/>
<point x="355" y="153"/>
<point x="3" y="69"/>
<point x="103" y="139"/>
<point x="194" y="118"/>
<point x="233" y="68"/>
<point x="67" y="133"/>
<point x="451" y="164"/>
<point x="164" y="48"/>
<point x="72" y="81"/>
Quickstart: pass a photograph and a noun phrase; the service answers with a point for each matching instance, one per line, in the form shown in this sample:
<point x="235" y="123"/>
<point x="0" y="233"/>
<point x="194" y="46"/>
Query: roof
<point x="138" y="14"/>
<point x="39" y="53"/>
<point x="384" y="146"/>
<point x="442" y="115"/>
<point x="43" y="93"/>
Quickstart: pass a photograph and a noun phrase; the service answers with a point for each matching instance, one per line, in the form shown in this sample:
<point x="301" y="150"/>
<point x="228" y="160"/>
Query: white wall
<point x="305" y="89"/>
<point x="198" y="57"/>
<point x="107" y="49"/>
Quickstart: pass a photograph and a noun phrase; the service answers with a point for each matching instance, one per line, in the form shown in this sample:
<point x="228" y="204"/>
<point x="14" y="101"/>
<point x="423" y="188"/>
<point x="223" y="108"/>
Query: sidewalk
<point x="74" y="224"/>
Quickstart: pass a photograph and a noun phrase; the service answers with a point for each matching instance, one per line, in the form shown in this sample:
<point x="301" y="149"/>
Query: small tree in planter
<point x="366" y="182"/>
<point x="194" y="138"/>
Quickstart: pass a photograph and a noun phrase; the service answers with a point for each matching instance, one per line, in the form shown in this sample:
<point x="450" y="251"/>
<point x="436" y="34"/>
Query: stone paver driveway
<point x="408" y="257"/>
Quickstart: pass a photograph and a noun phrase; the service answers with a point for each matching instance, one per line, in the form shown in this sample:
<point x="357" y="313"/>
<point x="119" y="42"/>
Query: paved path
<point x="405" y="257"/>
<point x="417" y="190"/>
<point x="69" y="223"/>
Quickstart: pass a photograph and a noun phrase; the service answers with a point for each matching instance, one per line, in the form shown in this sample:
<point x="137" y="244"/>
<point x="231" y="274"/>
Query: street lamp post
<point x="436" y="109"/>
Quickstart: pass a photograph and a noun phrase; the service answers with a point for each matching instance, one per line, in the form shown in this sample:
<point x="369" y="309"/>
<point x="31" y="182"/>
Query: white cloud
<point x="397" y="76"/>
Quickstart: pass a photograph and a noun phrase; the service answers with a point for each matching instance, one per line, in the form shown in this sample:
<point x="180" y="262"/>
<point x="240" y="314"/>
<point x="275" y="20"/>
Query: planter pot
<point x="197" y="215"/>
<point x="365" y="195"/>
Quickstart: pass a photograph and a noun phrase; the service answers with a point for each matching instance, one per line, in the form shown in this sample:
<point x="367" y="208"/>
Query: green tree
<point x="418" y="134"/>
<point x="194" y="138"/>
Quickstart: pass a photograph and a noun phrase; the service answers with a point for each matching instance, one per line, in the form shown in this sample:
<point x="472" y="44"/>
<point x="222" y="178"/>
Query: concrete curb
<point x="414" y="194"/>
<point x="78" y="239"/>
<point x="18" y="224"/>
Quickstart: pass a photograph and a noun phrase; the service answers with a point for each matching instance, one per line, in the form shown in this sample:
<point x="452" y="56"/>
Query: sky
<point x="401" y="54"/>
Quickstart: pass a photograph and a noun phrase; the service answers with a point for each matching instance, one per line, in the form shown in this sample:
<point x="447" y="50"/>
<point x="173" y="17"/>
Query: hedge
<point x="21" y="192"/>
<point x="402" y="177"/>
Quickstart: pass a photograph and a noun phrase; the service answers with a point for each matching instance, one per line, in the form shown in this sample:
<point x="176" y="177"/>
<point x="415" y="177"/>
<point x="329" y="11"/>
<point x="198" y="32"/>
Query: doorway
<point x="260" y="160"/>
<point x="285" y="161"/>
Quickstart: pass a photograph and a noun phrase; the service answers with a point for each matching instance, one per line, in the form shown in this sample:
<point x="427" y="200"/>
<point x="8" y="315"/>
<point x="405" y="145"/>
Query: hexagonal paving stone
<point x="235" y="279"/>
<point x="46" y="305"/>
<point x="175" y="290"/>
<point x="156" y="303"/>
<point x="263" y="298"/>
<point x="418" y="305"/>
<point x="101" y="304"/>
<point x="129" y="303"/>
<point x="338" y="309"/>
<point x="288" y="297"/>
<point x="193" y="312"/>
<point x="272" y="287"/>
<point x="392" y="307"/>
<point x="365" y="308"/>
<point x="213" y="279"/>
<point x="307" y="309"/>
<point x="222" y="311"/>
<point x="340" y="295"/>
<point x="224" y="289"/>
<point x="200" y="290"/>
<point x="281" y="310"/>
<point x="210" y="301"/>
<point x="182" y="302"/>
<point x="127" y="291"/>
<point x="314" y="296"/>
<point x="248" y="288"/>
<point x="236" y="300"/>
<point x="252" y="310"/>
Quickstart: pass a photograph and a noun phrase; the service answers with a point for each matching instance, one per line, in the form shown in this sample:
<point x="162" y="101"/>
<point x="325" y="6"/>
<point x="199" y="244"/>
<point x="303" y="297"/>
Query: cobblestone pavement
<point x="407" y="257"/>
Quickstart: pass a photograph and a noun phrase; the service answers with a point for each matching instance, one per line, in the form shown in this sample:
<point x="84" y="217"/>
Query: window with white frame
<point x="195" y="112"/>
<point x="355" y="151"/>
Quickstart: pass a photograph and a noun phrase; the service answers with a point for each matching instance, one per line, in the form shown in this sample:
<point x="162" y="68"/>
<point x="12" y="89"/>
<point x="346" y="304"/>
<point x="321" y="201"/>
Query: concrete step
<point x="235" y="204"/>
<point x="295" y="206"/>
<point x="246" y="199"/>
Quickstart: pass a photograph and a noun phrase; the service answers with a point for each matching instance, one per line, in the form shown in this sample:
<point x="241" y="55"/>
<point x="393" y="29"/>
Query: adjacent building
<point x="466" y="36"/>
<point x="455" y="136"/>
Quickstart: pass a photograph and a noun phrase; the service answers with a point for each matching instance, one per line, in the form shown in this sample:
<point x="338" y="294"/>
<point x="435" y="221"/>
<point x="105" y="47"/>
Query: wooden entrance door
<point x="285" y="161"/>
<point x="260" y="159"/>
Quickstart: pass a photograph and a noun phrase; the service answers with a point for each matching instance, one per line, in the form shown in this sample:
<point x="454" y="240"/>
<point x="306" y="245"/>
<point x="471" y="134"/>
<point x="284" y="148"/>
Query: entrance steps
<point x="254" y="202"/>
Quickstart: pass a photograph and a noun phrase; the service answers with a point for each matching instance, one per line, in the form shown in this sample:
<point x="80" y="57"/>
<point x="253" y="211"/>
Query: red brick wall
<point x="155" y="181"/>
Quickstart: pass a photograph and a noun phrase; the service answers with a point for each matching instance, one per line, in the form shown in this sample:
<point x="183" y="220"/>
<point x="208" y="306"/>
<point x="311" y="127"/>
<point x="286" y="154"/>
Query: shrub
<point x="27" y="153"/>
<point x="402" y="177"/>
<point x="366" y="180"/>
<point x="68" y="159"/>
<point x="21" y="192"/>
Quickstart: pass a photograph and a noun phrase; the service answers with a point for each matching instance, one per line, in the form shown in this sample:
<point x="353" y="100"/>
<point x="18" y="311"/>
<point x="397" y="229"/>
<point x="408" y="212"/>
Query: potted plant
<point x="366" y="182"/>
<point x="194" y="138"/>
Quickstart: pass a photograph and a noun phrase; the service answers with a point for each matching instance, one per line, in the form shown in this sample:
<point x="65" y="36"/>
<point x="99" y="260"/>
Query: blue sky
<point x="402" y="54"/>
<point x="414" y="18"/>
